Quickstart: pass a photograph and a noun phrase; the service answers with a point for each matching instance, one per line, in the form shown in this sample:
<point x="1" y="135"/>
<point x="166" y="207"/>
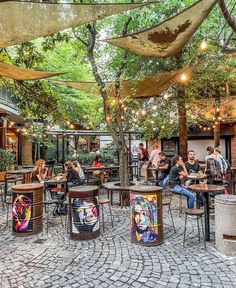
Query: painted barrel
<point x="225" y="227"/>
<point x="27" y="209"/>
<point x="84" y="212"/>
<point x="146" y="221"/>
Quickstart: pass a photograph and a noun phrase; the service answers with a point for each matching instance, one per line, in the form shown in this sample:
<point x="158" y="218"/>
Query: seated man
<point x="192" y="165"/>
<point x="164" y="165"/>
<point x="177" y="172"/>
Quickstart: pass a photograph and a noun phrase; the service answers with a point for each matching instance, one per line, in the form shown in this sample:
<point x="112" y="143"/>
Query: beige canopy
<point x="142" y="88"/>
<point x="24" y="21"/>
<point x="21" y="74"/>
<point x="170" y="36"/>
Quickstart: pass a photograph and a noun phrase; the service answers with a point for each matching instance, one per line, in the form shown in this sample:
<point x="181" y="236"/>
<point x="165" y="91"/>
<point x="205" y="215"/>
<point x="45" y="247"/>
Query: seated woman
<point x="72" y="176"/>
<point x="97" y="165"/>
<point x="177" y="172"/>
<point x="80" y="171"/>
<point x="39" y="172"/>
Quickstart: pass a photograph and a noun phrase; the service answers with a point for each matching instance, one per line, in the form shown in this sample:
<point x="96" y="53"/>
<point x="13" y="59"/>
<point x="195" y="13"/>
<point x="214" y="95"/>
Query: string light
<point x="166" y="96"/>
<point x="18" y="130"/>
<point x="217" y="109"/>
<point x="71" y="126"/>
<point x="154" y="107"/>
<point x="203" y="44"/>
<point x="143" y="112"/>
<point x="68" y="122"/>
<point x="12" y="123"/>
<point x="183" y="77"/>
<point x="152" y="122"/>
<point x="162" y="127"/>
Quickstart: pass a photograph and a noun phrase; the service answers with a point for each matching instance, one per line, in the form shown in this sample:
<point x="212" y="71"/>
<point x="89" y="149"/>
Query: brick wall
<point x="233" y="148"/>
<point x="26" y="148"/>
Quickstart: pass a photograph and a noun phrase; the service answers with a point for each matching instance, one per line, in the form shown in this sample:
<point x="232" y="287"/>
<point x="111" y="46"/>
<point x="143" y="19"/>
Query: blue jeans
<point x="165" y="182"/>
<point x="182" y="191"/>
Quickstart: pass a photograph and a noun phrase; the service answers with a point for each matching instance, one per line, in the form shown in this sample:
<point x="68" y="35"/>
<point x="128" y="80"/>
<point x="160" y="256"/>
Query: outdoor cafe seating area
<point x="57" y="203"/>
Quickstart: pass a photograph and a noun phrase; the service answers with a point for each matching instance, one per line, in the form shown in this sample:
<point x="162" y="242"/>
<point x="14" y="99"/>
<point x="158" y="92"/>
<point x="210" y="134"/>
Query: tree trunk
<point x="183" y="138"/>
<point x="217" y="128"/>
<point x="124" y="172"/>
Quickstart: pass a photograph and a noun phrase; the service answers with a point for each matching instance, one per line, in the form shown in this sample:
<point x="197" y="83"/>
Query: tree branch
<point x="227" y="15"/>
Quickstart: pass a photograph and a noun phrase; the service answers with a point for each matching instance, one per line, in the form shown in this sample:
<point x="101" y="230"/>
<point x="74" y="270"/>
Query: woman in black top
<point x="72" y="176"/>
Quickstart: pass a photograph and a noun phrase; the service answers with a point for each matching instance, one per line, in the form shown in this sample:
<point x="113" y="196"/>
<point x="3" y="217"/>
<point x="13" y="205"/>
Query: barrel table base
<point x="84" y="213"/>
<point x="146" y="215"/>
<point x="27" y="209"/>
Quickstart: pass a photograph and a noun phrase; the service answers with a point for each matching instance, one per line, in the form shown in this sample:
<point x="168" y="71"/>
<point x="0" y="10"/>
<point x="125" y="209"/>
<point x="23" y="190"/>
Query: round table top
<point x="145" y="188"/>
<point x="83" y="188"/>
<point x="206" y="187"/>
<point x="115" y="186"/>
<point x="27" y="187"/>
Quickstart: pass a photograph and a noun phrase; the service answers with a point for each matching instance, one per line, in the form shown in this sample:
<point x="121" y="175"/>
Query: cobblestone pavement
<point x="112" y="260"/>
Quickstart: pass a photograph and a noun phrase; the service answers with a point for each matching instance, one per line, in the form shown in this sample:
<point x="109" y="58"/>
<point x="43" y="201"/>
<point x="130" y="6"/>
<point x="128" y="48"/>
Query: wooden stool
<point x="103" y="202"/>
<point x="166" y="201"/>
<point x="198" y="213"/>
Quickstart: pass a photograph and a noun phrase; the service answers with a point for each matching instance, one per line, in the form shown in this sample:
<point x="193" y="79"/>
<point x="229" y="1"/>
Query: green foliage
<point x="6" y="158"/>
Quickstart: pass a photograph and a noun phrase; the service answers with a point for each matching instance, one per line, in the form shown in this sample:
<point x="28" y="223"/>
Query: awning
<point x="145" y="87"/>
<point x="21" y="74"/>
<point x="24" y="21"/>
<point x="170" y="36"/>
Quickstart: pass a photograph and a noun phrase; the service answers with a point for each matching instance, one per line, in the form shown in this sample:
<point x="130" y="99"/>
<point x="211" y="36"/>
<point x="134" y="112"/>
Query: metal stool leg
<point x="185" y="225"/>
<point x="204" y="241"/>
<point x="180" y="204"/>
<point x="7" y="213"/>
<point x="47" y="217"/>
<point x="198" y="229"/>
<point x="172" y="220"/>
<point x="111" y="215"/>
<point x="103" y="225"/>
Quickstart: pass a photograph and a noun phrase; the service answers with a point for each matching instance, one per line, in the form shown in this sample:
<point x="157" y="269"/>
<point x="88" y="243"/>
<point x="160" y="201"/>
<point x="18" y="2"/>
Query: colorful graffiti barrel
<point x="27" y="209"/>
<point x="84" y="212"/>
<point x="146" y="215"/>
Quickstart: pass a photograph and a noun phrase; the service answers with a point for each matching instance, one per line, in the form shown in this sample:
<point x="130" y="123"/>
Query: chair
<point x="166" y="201"/>
<point x="102" y="202"/>
<point x="198" y="213"/>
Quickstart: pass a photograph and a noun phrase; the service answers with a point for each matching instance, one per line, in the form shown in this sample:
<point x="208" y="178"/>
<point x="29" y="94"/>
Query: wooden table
<point x="25" y="173"/>
<point x="55" y="182"/>
<point x="205" y="189"/>
<point x="107" y="168"/>
<point x="115" y="187"/>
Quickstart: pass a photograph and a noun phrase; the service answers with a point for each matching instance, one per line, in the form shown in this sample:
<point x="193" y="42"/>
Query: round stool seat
<point x="8" y="201"/>
<point x="55" y="189"/>
<point x="103" y="201"/>
<point x="50" y="201"/>
<point x="194" y="212"/>
<point x="166" y="201"/>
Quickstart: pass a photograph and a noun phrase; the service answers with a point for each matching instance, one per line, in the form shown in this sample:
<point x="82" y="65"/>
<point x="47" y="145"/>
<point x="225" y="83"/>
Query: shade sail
<point x="169" y="37"/>
<point x="21" y="74"/>
<point x="24" y="21"/>
<point x="142" y="88"/>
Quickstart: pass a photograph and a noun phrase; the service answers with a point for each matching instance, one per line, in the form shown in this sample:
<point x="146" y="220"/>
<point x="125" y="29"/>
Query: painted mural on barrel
<point x="144" y="218"/>
<point x="22" y="212"/>
<point x="85" y="216"/>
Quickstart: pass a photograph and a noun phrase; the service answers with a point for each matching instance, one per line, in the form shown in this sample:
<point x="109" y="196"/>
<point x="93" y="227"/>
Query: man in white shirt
<point x="154" y="159"/>
<point x="154" y="156"/>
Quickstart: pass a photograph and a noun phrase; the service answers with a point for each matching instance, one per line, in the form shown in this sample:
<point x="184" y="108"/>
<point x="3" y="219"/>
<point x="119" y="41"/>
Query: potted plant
<point x="7" y="160"/>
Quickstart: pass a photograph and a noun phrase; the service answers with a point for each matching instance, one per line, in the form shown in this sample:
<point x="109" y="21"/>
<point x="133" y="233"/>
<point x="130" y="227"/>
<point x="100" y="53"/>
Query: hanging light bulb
<point x="143" y="112"/>
<point x="183" y="77"/>
<point x="217" y="109"/>
<point x="203" y="44"/>
<point x="68" y="122"/>
<point x="162" y="127"/>
<point x="166" y="96"/>
<point x="71" y="126"/>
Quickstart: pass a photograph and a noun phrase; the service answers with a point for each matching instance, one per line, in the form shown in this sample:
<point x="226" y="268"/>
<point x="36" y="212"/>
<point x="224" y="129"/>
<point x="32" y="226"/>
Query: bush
<point x="6" y="158"/>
